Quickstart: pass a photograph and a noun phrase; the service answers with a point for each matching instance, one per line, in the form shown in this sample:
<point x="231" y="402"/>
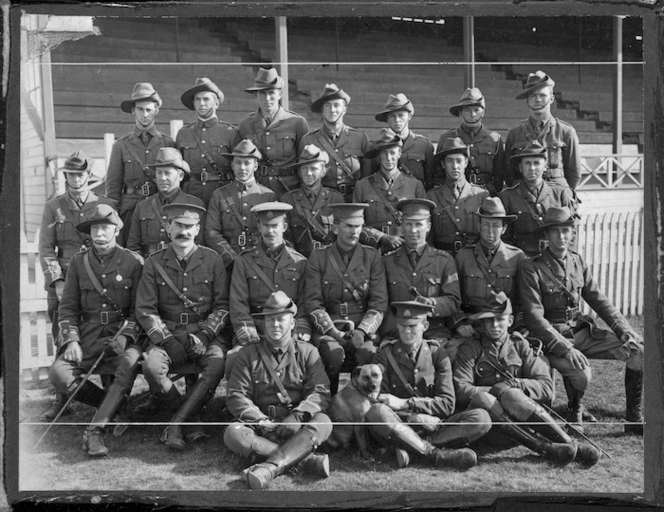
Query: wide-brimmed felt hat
<point x="184" y="213"/>
<point x="497" y="304"/>
<point x="395" y="103"/>
<point x="331" y="92"/>
<point x="411" y="312"/>
<point x="386" y="139"/>
<point x="77" y="162"/>
<point x="270" y="210"/>
<point x="103" y="214"/>
<point x="535" y="81"/>
<point x="471" y="97"/>
<point x="277" y="303"/>
<point x="266" y="78"/>
<point x="352" y="213"/>
<point x="201" y="85"/>
<point x="558" y="216"/>
<point x="493" y="208"/>
<point x="452" y="145"/>
<point x="532" y="149"/>
<point x="142" y="91"/>
<point x="170" y="157"/>
<point x="311" y="153"/>
<point x="245" y="148"/>
<point x="416" y="208"/>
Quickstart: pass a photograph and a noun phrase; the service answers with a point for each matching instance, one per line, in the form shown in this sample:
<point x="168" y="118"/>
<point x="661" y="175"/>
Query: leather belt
<point x="563" y="316"/>
<point x="104" y="317"/>
<point x="143" y="191"/>
<point x="181" y="318"/>
<point x="531" y="245"/>
<point x="455" y="246"/>
<point x="206" y="176"/>
<point x="350" y="308"/>
<point x="271" y="170"/>
<point x="477" y="177"/>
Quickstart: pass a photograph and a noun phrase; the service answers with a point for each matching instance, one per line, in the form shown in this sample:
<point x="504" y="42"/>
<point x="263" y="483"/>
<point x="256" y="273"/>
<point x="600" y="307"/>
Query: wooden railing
<point x="611" y="172"/>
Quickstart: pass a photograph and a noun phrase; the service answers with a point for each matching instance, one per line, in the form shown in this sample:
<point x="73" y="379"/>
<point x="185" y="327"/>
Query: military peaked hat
<point x="277" y="303"/>
<point x="77" y="162"/>
<point x="386" y="139"/>
<point x="493" y="208"/>
<point x="416" y="208"/>
<point x="266" y="78"/>
<point x="170" y="157"/>
<point x="558" y="216"/>
<point x="497" y="304"/>
<point x="103" y="214"/>
<point x="395" y="103"/>
<point x="471" y="97"/>
<point x="270" y="210"/>
<point x="201" y="85"/>
<point x="353" y="212"/>
<point x="143" y="91"/>
<point x="532" y="149"/>
<point x="411" y="312"/>
<point x="245" y="148"/>
<point x="331" y="92"/>
<point x="452" y="145"/>
<point x="184" y="213"/>
<point x="535" y="81"/>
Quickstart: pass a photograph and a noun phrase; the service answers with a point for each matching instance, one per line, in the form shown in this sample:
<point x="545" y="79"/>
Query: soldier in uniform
<point x="182" y="304"/>
<point x="278" y="393"/>
<point x="346" y="294"/>
<point x="500" y="373"/>
<point x="416" y="157"/>
<point x="530" y="198"/>
<point x="486" y="159"/>
<point x="270" y="266"/>
<point x="99" y="293"/>
<point x="558" y="137"/>
<point x="149" y="226"/>
<point x="551" y="285"/>
<point x="418" y="271"/>
<point x="417" y="398"/>
<point x="129" y="179"/>
<point x="277" y="132"/>
<point x="59" y="240"/>
<point x="345" y="146"/>
<point x="489" y="267"/>
<point x="205" y="142"/>
<point x="311" y="219"/>
<point x="382" y="191"/>
<point x="230" y="226"/>
<point x="455" y="224"/>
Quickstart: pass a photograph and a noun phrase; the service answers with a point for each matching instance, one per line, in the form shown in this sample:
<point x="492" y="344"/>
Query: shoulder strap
<point x="486" y="275"/>
<point x="327" y="146"/>
<point x="545" y="268"/>
<point x="234" y="209"/>
<point x="187" y="302"/>
<point x="96" y="283"/>
<point x="133" y="152"/>
<point x="533" y="213"/>
<point x="396" y="215"/>
<point x="311" y="220"/>
<point x="335" y="266"/>
<point x="397" y="370"/>
<point x="261" y="274"/>
<point x="283" y="395"/>
<point x="205" y="153"/>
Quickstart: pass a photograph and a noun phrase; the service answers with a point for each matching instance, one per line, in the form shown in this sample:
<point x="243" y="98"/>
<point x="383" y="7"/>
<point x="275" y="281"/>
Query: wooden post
<point x="617" y="84"/>
<point x="282" y="53"/>
<point x="469" y="49"/>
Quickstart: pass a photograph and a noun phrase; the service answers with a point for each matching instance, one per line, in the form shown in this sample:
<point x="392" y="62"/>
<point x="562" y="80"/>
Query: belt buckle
<point x="343" y="308"/>
<point x="262" y="170"/>
<point x="103" y="317"/>
<point x="570" y="313"/>
<point x="457" y="245"/>
<point x="342" y="188"/>
<point x="242" y="239"/>
<point x="145" y="189"/>
<point x="161" y="245"/>
<point x="272" y="412"/>
<point x="473" y="177"/>
<point x="184" y="318"/>
<point x="542" y="244"/>
<point x="317" y="245"/>
<point x="386" y="229"/>
<point x="204" y="177"/>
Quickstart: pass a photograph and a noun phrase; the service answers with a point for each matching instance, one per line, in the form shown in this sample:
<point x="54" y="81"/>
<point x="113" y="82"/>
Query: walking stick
<point x="78" y="388"/>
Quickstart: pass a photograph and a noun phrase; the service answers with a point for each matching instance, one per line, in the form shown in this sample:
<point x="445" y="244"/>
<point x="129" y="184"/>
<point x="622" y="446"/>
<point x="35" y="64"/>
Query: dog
<point x="350" y="406"/>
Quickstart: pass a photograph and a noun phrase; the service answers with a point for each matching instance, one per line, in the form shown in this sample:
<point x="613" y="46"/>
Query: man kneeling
<point x="278" y="392"/>
<point x="500" y="372"/>
<point x="418" y="397"/>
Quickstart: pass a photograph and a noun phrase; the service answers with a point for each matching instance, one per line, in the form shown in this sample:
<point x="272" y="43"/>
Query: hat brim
<point x="442" y="154"/>
<point x="185" y="220"/>
<point x="382" y="116"/>
<point x="506" y="218"/>
<point x="128" y="105"/>
<point x="292" y="310"/>
<point x="187" y="97"/>
<point x="526" y="92"/>
<point x="571" y="223"/>
<point x="519" y="156"/>
<point x="278" y="83"/>
<point x="184" y="168"/>
<point x="455" y="110"/>
<point x="299" y="164"/>
<point x="317" y="105"/>
<point x="485" y="314"/>
<point x="374" y="151"/>
<point x="84" y="227"/>
<point x="410" y="321"/>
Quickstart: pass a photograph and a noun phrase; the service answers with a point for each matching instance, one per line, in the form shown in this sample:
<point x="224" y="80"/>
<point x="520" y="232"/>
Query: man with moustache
<point x="345" y="146"/>
<point x="455" y="224"/>
<point x="59" y="240"/>
<point x="311" y="219"/>
<point x="99" y="294"/>
<point x="129" y="178"/>
<point x="416" y="157"/>
<point x="530" y="198"/>
<point x="182" y="304"/>
<point x="149" y="226"/>
<point x="230" y="226"/>
<point x="278" y="393"/>
<point x="277" y="132"/>
<point x="382" y="191"/>
<point x="346" y="295"/>
<point x="204" y="142"/>
<point x="558" y="137"/>
<point x="486" y="159"/>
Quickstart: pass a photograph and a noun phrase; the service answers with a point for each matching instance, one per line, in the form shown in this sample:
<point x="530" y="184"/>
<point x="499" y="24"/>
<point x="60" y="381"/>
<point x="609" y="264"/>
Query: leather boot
<point x="93" y="442"/>
<point x="295" y="449"/>
<point x="108" y="408"/>
<point x="334" y="383"/>
<point x="173" y="434"/>
<point x="634" y="398"/>
<point x="57" y="405"/>
<point x="90" y="394"/>
<point x="576" y="413"/>
<point x="195" y="433"/>
<point x="560" y="453"/>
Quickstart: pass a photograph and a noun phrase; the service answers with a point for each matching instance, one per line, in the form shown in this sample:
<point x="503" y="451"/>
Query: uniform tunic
<point x="530" y="208"/>
<point x="128" y="179"/>
<point x="202" y="144"/>
<point x="486" y="165"/>
<point x="278" y="142"/>
<point x="350" y="147"/>
<point x="416" y="159"/>
<point x="454" y="223"/>
<point x="224" y="230"/>
<point x="149" y="225"/>
<point x="310" y="221"/>
<point x="434" y="276"/>
<point x="382" y="217"/>
<point x="562" y="144"/>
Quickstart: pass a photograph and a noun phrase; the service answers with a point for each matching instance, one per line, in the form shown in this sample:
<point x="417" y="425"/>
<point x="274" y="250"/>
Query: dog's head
<point x="367" y="378"/>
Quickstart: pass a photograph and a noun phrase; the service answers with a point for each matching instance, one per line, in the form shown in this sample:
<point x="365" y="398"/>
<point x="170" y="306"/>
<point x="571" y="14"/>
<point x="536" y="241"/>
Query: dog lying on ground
<point x="350" y="406"/>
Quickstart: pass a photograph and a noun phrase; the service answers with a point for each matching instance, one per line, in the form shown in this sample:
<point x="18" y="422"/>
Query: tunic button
<point x="389" y="222"/>
<point x="103" y="305"/>
<point x="245" y="204"/>
<point x="267" y="133"/>
<point x="345" y="275"/>
<point x="456" y="233"/>
<point x="345" y="318"/>
<point x="276" y="270"/>
<point x="103" y="275"/>
<point x="346" y="290"/>
<point x="268" y="147"/>
<point x="414" y="273"/>
<point x="458" y="220"/>
<point x="389" y="193"/>
<point x="162" y="230"/>
<point x="456" y="207"/>
<point x="185" y="274"/>
<point x="81" y="214"/>
<point x="147" y="152"/>
<point x="244" y="218"/>
<point x="203" y="141"/>
<point x="204" y="129"/>
<point x="184" y="289"/>
<point x="202" y="156"/>
<point x="104" y="290"/>
<point x="415" y="370"/>
<point x="490" y="271"/>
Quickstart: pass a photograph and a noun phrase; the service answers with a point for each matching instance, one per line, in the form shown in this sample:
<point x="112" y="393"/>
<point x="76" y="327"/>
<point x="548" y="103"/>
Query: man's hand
<point x="117" y="344"/>
<point x="465" y="331"/>
<point x="357" y="338"/>
<point x="391" y="242"/>
<point x="197" y="347"/>
<point x="300" y="336"/>
<point x="290" y="424"/>
<point x="73" y="352"/>
<point x="338" y="335"/>
<point x="266" y="427"/>
<point x="59" y="286"/>
<point x="393" y="402"/>
<point x="577" y="359"/>
<point x="429" y="301"/>
<point x="428" y="422"/>
<point x="499" y="388"/>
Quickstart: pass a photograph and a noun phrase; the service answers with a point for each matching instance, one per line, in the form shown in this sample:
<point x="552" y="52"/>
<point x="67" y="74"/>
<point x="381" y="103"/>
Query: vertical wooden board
<point x="42" y="338"/>
<point x="627" y="263"/>
<point x="610" y="262"/>
<point x="24" y="343"/>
